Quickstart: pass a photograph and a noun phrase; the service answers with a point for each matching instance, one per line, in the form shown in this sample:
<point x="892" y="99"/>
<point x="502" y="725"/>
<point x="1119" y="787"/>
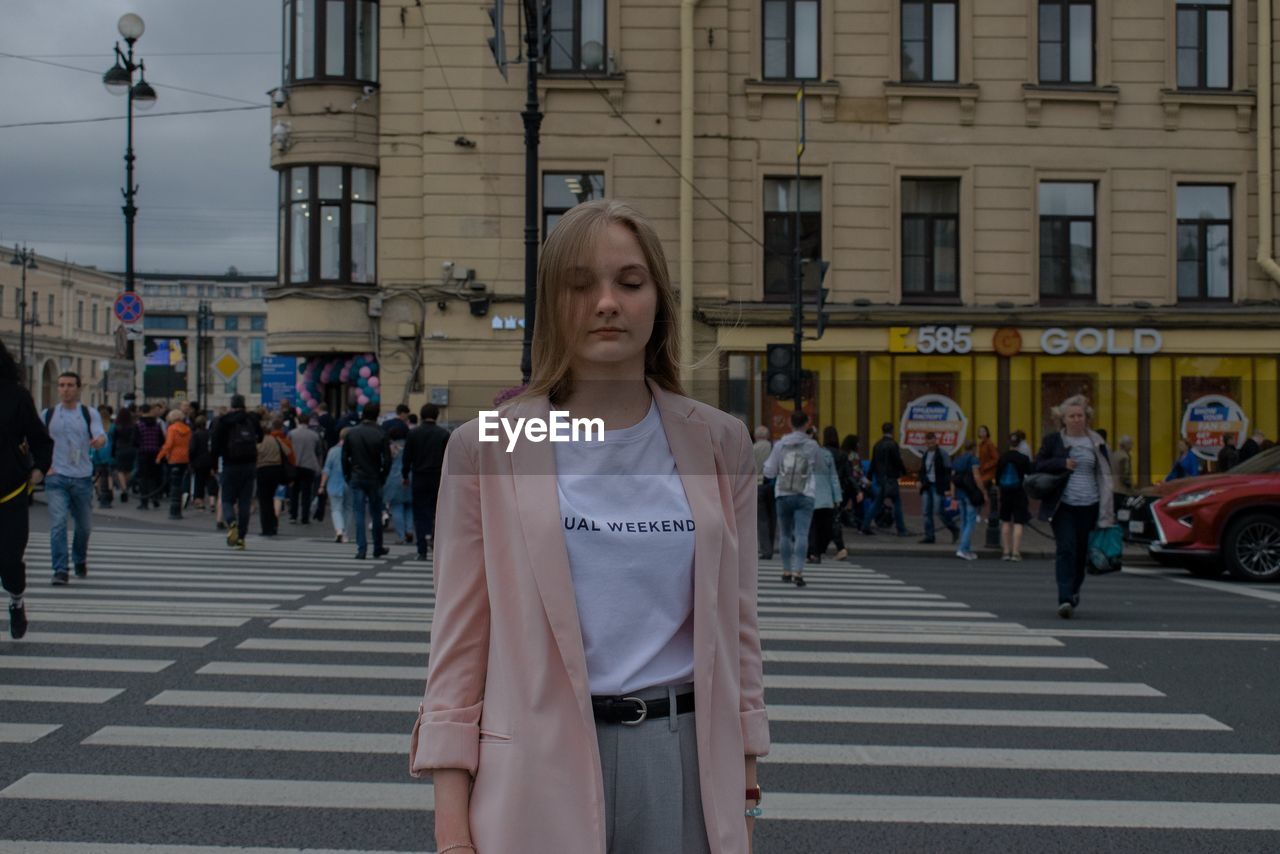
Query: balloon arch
<point x="358" y="372"/>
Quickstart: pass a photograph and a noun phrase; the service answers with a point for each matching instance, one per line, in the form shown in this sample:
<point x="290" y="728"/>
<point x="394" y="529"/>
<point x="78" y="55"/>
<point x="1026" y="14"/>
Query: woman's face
<point x="1074" y="419"/>
<point x="983" y="433"/>
<point x="617" y="301"/>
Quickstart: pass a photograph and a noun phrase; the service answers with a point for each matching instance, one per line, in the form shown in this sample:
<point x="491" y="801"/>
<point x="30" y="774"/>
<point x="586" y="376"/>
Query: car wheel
<point x="1252" y="547"/>
<point x="1206" y="570"/>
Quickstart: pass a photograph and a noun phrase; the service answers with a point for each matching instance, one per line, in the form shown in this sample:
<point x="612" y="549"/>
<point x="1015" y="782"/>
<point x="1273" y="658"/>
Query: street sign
<point x="279" y="380"/>
<point x="128" y="308"/>
<point x="228" y="365"/>
<point x="120" y="376"/>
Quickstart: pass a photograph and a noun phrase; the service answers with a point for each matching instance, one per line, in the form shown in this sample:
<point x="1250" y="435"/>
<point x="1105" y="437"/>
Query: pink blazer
<point x="506" y="694"/>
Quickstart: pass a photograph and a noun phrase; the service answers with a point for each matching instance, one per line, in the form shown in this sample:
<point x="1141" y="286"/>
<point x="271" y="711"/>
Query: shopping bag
<point x="1106" y="550"/>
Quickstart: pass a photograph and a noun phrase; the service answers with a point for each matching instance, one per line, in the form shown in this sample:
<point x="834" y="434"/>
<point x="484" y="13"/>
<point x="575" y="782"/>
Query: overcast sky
<point x="207" y="193"/>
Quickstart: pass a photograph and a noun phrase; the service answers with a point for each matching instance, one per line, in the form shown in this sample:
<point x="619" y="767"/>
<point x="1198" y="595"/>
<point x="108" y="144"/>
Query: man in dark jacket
<point x="1251" y="446"/>
<point x="235" y="442"/>
<point x="366" y="461"/>
<point x="935" y="486"/>
<point x="1228" y="456"/>
<point x="422" y="461"/>
<point x="886" y="468"/>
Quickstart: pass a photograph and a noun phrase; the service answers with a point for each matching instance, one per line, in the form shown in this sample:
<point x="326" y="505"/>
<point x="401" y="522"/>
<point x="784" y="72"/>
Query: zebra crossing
<point x="185" y="697"/>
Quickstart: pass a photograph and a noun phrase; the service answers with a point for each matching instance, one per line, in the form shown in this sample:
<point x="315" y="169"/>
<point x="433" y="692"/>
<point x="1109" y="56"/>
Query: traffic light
<point x="780" y="366"/>
<point x="498" y="41"/>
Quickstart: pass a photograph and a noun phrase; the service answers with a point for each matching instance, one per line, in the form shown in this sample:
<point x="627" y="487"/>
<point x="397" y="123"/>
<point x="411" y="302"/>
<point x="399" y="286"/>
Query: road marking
<point x="400" y="704"/>
<point x="1023" y="811"/>
<point x="24" y="846"/>
<point x="98" y="665"/>
<point x="311" y="671"/>
<point x="25" y="733"/>
<point x="93" y="639"/>
<point x="251" y="739"/>
<point x="1046" y="662"/>
<point x="1157" y="635"/>
<point x="305" y="645"/>
<point x="1140" y="761"/>
<point x="905" y="637"/>
<point x="329" y="625"/>
<point x="56" y="694"/>
<point x="962" y="686"/>
<point x="47" y="615"/>
<point x="1227" y="587"/>
<point x="182" y="595"/>
<point x="84" y="602"/>
<point x="868" y="612"/>
<point x="176" y="581"/>
<point x="220" y="791"/>
<point x="994" y="717"/>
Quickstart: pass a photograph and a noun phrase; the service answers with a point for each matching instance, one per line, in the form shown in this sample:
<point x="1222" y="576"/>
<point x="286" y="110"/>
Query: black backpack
<point x="242" y="442"/>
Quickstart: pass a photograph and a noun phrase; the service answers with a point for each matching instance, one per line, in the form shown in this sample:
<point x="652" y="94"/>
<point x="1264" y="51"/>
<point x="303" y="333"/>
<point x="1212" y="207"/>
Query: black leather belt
<point x="631" y="711"/>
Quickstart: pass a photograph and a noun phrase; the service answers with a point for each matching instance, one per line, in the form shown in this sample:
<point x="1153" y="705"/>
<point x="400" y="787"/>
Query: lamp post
<point x="204" y="323"/>
<point x="26" y="259"/>
<point x="119" y="81"/>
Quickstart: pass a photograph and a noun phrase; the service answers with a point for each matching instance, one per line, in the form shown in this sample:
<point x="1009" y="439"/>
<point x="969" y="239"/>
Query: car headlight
<point x="1192" y="498"/>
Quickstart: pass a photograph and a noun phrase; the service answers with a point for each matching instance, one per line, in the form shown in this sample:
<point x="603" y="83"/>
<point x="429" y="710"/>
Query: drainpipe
<point x="1266" y="226"/>
<point x="686" y="193"/>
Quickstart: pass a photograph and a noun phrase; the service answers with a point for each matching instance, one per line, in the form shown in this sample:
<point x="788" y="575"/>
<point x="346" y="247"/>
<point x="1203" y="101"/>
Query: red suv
<point x="1218" y="522"/>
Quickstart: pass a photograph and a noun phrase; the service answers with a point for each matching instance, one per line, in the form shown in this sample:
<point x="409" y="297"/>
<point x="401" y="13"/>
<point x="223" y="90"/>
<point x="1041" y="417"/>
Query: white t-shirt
<point x="629" y="533"/>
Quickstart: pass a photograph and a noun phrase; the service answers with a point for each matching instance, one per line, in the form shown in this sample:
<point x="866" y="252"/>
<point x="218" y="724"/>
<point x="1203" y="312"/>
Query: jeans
<point x="366" y="492"/>
<point x="933" y="504"/>
<point x="14" y="531"/>
<point x="339" y="509"/>
<point x="304" y="487"/>
<point x="238" y="480"/>
<point x="177" y="473"/>
<point x="883" y="489"/>
<point x="425" y="489"/>
<point x="766" y="519"/>
<point x="794" y="515"/>
<point x="968" y="521"/>
<point x="269" y="479"/>
<point x="73" y="496"/>
<point x="401" y="518"/>
<point x="1071" y="528"/>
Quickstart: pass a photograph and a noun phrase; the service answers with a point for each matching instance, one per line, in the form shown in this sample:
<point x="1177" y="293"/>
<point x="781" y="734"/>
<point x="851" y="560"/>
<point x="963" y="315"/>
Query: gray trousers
<point x="652" y="800"/>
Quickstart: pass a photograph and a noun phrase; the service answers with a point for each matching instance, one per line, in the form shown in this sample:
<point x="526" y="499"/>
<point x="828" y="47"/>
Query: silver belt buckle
<point x="644" y="711"/>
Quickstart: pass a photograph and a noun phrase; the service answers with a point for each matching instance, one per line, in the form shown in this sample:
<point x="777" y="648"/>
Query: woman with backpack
<point x="275" y="459"/>
<point x="150" y="441"/>
<point x="1011" y="468"/>
<point x="123" y="439"/>
<point x="966" y="479"/>
<point x="396" y="495"/>
<point x="201" y="454"/>
<point x="828" y="497"/>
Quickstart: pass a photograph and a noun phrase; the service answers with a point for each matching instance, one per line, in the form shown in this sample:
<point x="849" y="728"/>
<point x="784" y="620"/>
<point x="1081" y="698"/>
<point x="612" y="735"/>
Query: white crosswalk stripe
<point x="274" y="653"/>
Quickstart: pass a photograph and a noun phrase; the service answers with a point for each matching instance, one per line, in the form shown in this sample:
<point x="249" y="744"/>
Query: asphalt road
<point x="186" y="695"/>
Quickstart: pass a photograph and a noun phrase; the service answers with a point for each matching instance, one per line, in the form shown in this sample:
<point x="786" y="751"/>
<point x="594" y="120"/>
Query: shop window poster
<point x="933" y="413"/>
<point x="1208" y="419"/>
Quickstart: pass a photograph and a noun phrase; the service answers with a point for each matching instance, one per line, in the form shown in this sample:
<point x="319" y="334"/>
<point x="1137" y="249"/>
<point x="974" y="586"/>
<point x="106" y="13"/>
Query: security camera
<point x="448" y="265"/>
<point x="368" y="90"/>
<point x="279" y="96"/>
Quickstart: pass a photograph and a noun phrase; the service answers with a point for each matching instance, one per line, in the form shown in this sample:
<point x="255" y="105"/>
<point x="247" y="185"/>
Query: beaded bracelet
<point x="754" y="812"/>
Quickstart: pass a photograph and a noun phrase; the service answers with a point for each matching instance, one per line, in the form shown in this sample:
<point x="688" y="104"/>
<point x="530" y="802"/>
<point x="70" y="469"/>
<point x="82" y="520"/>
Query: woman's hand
<point x="453" y="806"/>
<point x="1071" y="465"/>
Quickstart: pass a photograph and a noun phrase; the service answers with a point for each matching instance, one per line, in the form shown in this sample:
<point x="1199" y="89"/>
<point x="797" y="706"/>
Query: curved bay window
<point x="328" y="225"/>
<point x="330" y="40"/>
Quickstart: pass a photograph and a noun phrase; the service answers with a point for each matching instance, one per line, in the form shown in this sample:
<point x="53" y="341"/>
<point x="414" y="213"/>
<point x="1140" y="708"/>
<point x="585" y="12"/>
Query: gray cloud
<point x="207" y="193"/>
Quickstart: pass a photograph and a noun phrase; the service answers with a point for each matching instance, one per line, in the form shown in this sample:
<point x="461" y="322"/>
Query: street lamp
<point x="26" y="259"/>
<point x="119" y="81"/>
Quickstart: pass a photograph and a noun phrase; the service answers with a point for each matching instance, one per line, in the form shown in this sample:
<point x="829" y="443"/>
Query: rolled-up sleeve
<point x="755" y="721"/>
<point x="447" y="732"/>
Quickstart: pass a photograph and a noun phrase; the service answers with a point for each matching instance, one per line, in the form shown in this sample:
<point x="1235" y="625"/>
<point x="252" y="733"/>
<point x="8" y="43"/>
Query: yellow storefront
<point x="1142" y="380"/>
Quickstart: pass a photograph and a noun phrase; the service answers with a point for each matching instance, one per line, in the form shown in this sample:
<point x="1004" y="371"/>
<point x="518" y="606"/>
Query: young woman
<point x="334" y="484"/>
<point x="396" y="495"/>
<point x="123" y="439"/>
<point x="150" y="441"/>
<point x="595" y="678"/>
<point x="1011" y="468"/>
<point x="824" y="528"/>
<point x="1084" y="501"/>
<point x="966" y="482"/>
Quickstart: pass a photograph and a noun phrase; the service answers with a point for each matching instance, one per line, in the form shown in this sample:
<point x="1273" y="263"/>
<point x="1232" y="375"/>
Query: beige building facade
<point x="1018" y="201"/>
<point x="69" y="326"/>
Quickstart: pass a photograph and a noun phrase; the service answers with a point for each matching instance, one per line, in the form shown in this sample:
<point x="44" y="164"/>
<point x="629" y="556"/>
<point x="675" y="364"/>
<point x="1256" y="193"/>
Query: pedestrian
<point x="101" y="458"/>
<point x="275" y="457"/>
<point x="766" y="510"/>
<point x="421" y="464"/>
<point x="828" y="496"/>
<point x="76" y="430"/>
<point x="27" y="453"/>
<point x="792" y="464"/>
<point x="967" y="488"/>
<point x="150" y="441"/>
<point x="1084" y="500"/>
<point x="935" y="486"/>
<point x="886" y="470"/>
<point x="397" y="499"/>
<point x="124" y="451"/>
<point x="1023" y="447"/>
<point x="1228" y="456"/>
<point x="523" y="536"/>
<point x="1251" y="446"/>
<point x="1015" y="513"/>
<point x="200" y="452"/>
<point x="1185" y="464"/>
<point x="176" y="451"/>
<point x="1122" y="470"/>
<point x="334" y="485"/>
<point x="306" y="442"/>
<point x="366" y="461"/>
<point x="988" y="459"/>
<point x="235" y="444"/>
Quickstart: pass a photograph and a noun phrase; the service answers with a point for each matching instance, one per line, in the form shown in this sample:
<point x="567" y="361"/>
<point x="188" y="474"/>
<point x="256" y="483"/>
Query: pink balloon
<point x="368" y="357"/>
<point x="374" y="382"/>
<point x="366" y="372"/>
<point x="345" y="375"/>
<point x="362" y="400"/>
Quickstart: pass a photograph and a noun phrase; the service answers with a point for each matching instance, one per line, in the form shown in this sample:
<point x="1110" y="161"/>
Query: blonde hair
<point x="558" y="313"/>
<point x="174" y="416"/>
<point x="1059" y="411"/>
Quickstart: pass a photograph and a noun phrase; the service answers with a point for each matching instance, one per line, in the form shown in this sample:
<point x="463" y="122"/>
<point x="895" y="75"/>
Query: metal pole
<point x="798" y="307"/>
<point x="129" y="209"/>
<point x="532" y="124"/>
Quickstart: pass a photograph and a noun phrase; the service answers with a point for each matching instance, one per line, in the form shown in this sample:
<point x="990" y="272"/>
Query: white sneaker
<point x="966" y="555"/>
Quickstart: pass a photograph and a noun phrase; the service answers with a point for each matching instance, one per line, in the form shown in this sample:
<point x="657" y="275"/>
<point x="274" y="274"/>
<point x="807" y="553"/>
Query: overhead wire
<point x="444" y="77"/>
<point x="155" y="85"/>
<point x="53" y="122"/>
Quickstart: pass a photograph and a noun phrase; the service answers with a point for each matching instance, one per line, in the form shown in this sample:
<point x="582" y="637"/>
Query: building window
<point x="328" y="218"/>
<point x="17" y="302"/>
<point x="931" y="238"/>
<point x="231" y="322"/>
<point x="48" y="318"/>
<point x="1204" y="44"/>
<point x="93" y="317"/>
<point x="107" y="314"/>
<point x="1066" y="41"/>
<point x="577" y="36"/>
<point x="80" y="314"/>
<point x="930" y="41"/>
<point x="563" y="190"/>
<point x="257" y="346"/>
<point x="258" y="323"/>
<point x="164" y="321"/>
<point x="791" y="39"/>
<point x="327" y="40"/>
<point x="1067" y="241"/>
<point x="779" y="234"/>
<point x="1204" y="242"/>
